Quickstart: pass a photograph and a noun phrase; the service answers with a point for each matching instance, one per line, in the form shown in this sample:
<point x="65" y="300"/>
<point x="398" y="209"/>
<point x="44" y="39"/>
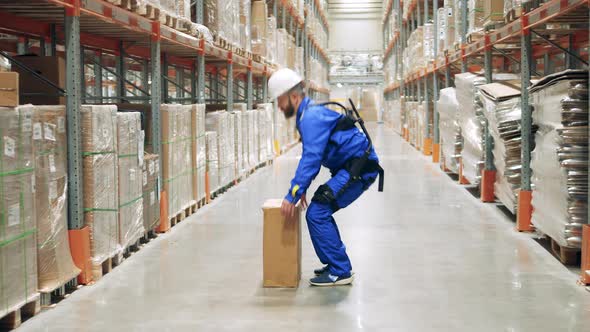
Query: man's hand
<point x="287" y="209"/>
<point x="304" y="202"/>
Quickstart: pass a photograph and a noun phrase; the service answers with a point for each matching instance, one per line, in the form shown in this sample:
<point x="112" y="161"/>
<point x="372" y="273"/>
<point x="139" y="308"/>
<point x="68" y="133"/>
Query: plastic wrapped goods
<point x="212" y="160"/>
<point x="198" y="148"/>
<point x="458" y="15"/>
<point x="450" y="28"/>
<point x="55" y="265"/>
<point x="151" y="202"/>
<point x="253" y="145"/>
<point x="476" y="15"/>
<point x="429" y="35"/>
<point x="236" y="119"/>
<point x="246" y="141"/>
<point x="503" y="112"/>
<point x="450" y="130"/>
<point x="177" y="156"/>
<point x="266" y="116"/>
<point x="130" y="150"/>
<point x="219" y="122"/>
<point x="183" y="9"/>
<point x="101" y="199"/>
<point x="18" y="248"/>
<point x="271" y="40"/>
<point x="245" y="26"/>
<point x="211" y="15"/>
<point x="560" y="157"/>
<point x="259" y="27"/>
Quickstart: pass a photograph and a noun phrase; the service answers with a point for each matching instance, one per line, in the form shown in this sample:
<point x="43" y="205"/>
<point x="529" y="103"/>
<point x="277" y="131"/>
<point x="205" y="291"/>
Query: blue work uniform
<point x="322" y="146"/>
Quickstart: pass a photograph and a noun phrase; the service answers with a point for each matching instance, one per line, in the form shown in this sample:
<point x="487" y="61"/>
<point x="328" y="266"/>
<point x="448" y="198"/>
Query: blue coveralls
<point x="321" y="147"/>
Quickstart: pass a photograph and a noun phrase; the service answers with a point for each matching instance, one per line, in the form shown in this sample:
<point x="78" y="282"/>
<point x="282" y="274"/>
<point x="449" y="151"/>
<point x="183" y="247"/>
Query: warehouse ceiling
<point x="355" y="9"/>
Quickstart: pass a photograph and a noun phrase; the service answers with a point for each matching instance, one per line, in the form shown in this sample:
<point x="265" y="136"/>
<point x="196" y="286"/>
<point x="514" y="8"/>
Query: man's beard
<point x="289" y="111"/>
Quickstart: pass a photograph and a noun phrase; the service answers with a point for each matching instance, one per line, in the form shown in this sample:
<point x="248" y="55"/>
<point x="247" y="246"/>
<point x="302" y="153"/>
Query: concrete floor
<point x="428" y="256"/>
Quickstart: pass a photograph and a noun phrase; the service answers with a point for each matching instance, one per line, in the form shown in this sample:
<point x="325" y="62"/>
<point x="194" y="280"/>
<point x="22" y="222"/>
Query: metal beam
<point x="201" y="78"/>
<point x="526" y="121"/>
<point x="230" y="86"/>
<point x="73" y="103"/>
<point x="98" y="74"/>
<point x="489" y="143"/>
<point x="121" y="72"/>
<point x="156" y="101"/>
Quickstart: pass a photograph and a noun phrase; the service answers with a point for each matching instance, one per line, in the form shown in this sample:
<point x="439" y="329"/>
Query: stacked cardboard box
<point x="151" y="202"/>
<point x="130" y="161"/>
<point x="236" y="120"/>
<point x="99" y="150"/>
<point x="212" y="161"/>
<point x="219" y="122"/>
<point x="18" y="248"/>
<point x="55" y="265"/>
<point x="177" y="157"/>
<point x="199" y="148"/>
<point x="245" y="26"/>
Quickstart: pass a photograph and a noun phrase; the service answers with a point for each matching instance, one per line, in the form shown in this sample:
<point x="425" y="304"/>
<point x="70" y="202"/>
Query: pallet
<point x="54" y="296"/>
<point x="14" y="319"/>
<point x="170" y="21"/>
<point x="567" y="256"/>
<point x="513" y="15"/>
<point x="100" y="270"/>
<point x="475" y="36"/>
<point x="132" y="248"/>
<point x="201" y="203"/>
<point x="149" y="235"/>
<point x="178" y="217"/>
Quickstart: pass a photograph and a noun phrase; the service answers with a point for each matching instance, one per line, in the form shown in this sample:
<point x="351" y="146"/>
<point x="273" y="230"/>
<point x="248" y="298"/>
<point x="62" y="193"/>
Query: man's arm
<point x="315" y="131"/>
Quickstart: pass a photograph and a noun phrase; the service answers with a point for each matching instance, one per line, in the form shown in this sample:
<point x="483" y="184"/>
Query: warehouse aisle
<point x="428" y="256"/>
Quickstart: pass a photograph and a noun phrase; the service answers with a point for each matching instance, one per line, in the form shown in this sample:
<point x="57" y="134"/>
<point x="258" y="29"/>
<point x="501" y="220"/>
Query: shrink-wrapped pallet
<point x="559" y="160"/>
<point x="151" y="201"/>
<point x="219" y="122"/>
<point x="198" y="151"/>
<point x="177" y="157"/>
<point x="101" y="199"/>
<point x="450" y="31"/>
<point x="130" y="161"/>
<point x="472" y="121"/>
<point x="503" y="113"/>
<point x="55" y="264"/>
<point x="450" y="130"/>
<point x="212" y="161"/>
<point x="236" y="118"/>
<point x="230" y="162"/>
<point x="18" y="248"/>
<point x="211" y="16"/>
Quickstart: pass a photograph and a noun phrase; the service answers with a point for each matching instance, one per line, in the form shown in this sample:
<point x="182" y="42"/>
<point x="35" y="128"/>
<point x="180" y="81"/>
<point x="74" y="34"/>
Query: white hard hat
<point x="282" y="81"/>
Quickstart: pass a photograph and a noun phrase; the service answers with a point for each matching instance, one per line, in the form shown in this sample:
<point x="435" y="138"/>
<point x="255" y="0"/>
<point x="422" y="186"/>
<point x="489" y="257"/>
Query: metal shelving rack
<point x="86" y="31"/>
<point x="532" y="47"/>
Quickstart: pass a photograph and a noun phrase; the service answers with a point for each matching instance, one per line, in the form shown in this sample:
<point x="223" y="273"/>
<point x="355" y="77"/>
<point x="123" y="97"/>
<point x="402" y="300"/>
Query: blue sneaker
<point x="327" y="279"/>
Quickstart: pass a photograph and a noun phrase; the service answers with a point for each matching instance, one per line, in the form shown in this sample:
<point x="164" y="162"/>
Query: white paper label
<point x="37" y="131"/>
<point x="152" y="197"/>
<point x="132" y="175"/>
<point x="49" y="131"/>
<point x="157" y="166"/>
<point x="14" y="214"/>
<point x="145" y="176"/>
<point x="61" y="125"/>
<point x="51" y="161"/>
<point x="151" y="167"/>
<point x="9" y="147"/>
<point x="105" y="133"/>
<point x="28" y="123"/>
<point x="52" y="190"/>
<point x="140" y="147"/>
<point x="33" y="183"/>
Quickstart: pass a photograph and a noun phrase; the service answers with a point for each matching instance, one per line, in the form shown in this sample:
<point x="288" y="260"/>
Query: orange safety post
<point x="164" y="225"/>
<point x="436" y="153"/>
<point x="207" y="188"/>
<point x="488" y="178"/>
<point x="80" y="249"/>
<point x="427" y="148"/>
<point x="462" y="179"/>
<point x="585" y="274"/>
<point x="525" y="211"/>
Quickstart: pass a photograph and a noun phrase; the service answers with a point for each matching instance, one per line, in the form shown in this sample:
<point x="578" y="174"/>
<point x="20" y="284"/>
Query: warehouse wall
<point x="355" y="24"/>
<point x="355" y="35"/>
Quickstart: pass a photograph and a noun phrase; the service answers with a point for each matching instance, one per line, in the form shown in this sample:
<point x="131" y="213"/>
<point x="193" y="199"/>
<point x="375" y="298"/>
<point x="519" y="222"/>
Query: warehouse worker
<point x="330" y="141"/>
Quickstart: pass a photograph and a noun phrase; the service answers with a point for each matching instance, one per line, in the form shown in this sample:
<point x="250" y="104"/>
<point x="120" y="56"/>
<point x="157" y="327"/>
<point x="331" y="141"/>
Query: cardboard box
<point x="259" y="27"/>
<point x="9" y="89"/>
<point x="52" y="68"/>
<point x="281" y="246"/>
<point x="493" y="10"/>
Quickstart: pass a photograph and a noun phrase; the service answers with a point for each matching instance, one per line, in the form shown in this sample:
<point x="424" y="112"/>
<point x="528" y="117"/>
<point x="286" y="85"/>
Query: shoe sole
<point x="342" y="282"/>
<point x="319" y="274"/>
